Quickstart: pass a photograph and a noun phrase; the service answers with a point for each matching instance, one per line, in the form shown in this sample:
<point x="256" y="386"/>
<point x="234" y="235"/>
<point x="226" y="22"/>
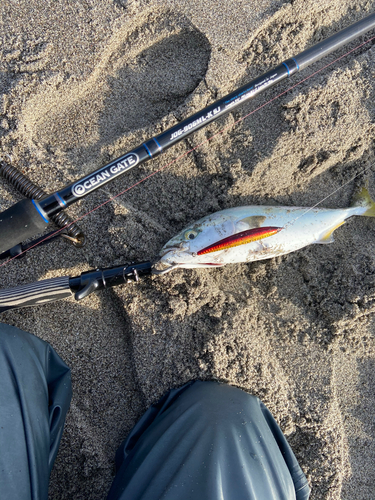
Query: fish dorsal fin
<point x="328" y="236"/>
<point x="251" y="222"/>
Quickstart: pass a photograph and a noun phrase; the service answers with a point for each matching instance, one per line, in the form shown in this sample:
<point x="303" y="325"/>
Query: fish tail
<point x="363" y="199"/>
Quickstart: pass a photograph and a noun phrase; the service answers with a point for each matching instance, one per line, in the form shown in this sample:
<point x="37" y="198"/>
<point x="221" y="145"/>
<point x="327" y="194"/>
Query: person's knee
<point x="26" y="352"/>
<point x="217" y="402"/>
<point x="12" y="338"/>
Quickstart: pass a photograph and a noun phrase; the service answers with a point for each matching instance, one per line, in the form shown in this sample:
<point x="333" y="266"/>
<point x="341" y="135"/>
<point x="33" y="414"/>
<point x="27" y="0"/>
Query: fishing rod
<point x="233" y="235"/>
<point x="50" y="290"/>
<point x="28" y="218"/>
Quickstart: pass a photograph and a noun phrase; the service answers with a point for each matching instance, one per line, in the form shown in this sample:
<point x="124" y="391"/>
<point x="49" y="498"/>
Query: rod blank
<point x="56" y="202"/>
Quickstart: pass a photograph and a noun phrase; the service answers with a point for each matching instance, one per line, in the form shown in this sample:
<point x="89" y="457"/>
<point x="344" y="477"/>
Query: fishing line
<point x="326" y="197"/>
<point x="220" y="132"/>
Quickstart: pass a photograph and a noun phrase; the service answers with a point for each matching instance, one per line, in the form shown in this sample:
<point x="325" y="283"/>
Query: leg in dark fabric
<point x="207" y="441"/>
<point x="35" y="393"/>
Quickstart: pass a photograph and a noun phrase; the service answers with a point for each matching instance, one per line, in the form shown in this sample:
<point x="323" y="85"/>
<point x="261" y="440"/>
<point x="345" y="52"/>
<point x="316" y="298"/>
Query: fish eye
<point x="190" y="234"/>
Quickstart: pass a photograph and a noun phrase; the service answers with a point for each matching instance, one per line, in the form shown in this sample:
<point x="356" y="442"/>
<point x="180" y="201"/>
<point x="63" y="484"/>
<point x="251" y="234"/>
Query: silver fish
<point x="246" y="234"/>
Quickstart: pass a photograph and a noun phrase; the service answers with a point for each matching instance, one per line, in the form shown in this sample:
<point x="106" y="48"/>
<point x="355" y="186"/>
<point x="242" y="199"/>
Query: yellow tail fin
<point x="363" y="199"/>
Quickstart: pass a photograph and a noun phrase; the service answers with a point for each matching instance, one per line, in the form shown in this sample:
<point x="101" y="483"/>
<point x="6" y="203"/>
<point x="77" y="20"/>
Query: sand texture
<point x="84" y="82"/>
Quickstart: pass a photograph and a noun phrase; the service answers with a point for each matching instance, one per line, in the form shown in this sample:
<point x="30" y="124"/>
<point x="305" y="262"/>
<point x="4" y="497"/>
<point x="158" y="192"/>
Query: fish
<point x="251" y="233"/>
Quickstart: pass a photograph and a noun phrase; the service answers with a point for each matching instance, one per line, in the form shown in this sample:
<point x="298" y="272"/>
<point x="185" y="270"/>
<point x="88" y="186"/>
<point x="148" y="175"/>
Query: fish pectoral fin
<point x="328" y="236"/>
<point x="250" y="222"/>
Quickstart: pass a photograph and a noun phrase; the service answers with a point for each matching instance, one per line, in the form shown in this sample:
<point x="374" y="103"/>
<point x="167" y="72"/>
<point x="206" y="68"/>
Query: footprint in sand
<point x="146" y="71"/>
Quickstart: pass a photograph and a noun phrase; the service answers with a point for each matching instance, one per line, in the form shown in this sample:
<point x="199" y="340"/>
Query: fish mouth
<point x="170" y="258"/>
<point x="162" y="265"/>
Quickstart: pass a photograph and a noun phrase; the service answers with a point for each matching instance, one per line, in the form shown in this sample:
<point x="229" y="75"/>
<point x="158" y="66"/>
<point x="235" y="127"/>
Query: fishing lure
<point x="247" y="234"/>
<point x="242" y="234"/>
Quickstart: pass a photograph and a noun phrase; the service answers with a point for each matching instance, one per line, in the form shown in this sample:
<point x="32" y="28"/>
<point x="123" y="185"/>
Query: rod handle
<point x="34" y="294"/>
<point x="21" y="221"/>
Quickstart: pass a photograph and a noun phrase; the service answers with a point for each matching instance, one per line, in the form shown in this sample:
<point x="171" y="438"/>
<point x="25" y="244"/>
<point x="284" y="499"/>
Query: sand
<point x="84" y="82"/>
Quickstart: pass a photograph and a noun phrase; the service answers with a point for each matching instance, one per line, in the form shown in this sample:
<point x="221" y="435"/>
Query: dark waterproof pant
<point x="203" y="441"/>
